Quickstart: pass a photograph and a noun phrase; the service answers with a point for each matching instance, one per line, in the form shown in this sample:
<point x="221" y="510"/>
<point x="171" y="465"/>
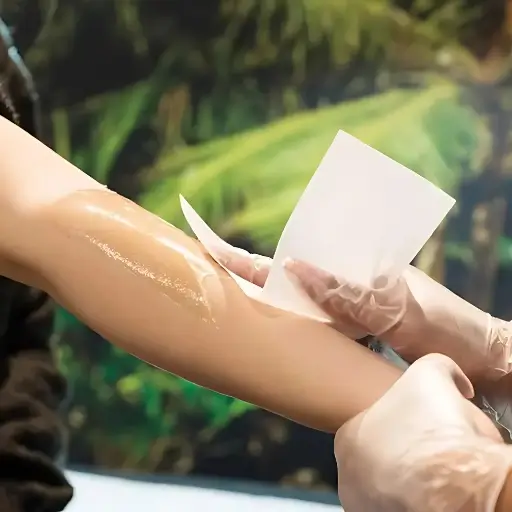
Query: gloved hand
<point x="414" y="314"/>
<point x="422" y="447"/>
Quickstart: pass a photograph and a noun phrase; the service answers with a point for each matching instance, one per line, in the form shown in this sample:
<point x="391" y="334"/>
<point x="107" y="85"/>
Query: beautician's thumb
<point x="439" y="370"/>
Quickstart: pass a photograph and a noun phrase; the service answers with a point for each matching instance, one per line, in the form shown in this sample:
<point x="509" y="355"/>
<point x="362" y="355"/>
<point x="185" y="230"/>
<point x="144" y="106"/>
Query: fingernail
<point x="222" y="261"/>
<point x="290" y="266"/>
<point x="260" y="263"/>
<point x="226" y="253"/>
<point x="221" y="257"/>
<point x="289" y="263"/>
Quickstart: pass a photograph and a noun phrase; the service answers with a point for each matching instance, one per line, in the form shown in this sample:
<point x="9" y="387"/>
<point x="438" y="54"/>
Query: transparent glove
<point x="494" y="398"/>
<point x="422" y="448"/>
<point x="416" y="316"/>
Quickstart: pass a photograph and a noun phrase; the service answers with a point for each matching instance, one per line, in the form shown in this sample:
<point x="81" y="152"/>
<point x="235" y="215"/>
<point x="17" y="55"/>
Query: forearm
<point x="151" y="290"/>
<point x="505" y="500"/>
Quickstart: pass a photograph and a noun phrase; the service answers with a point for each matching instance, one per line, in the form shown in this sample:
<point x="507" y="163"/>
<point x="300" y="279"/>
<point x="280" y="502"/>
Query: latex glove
<point x="494" y="397"/>
<point x="422" y="447"/>
<point x="414" y="314"/>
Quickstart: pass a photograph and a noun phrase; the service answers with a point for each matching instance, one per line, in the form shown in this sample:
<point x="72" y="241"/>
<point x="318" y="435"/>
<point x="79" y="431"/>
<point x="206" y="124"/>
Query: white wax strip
<point x="361" y="216"/>
<point x="213" y="243"/>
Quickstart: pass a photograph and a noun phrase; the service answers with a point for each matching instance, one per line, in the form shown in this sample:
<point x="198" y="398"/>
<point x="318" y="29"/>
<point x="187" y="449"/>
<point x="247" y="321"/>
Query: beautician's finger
<point x="251" y="267"/>
<point x="441" y="372"/>
<point x="317" y="283"/>
<point x="353" y="308"/>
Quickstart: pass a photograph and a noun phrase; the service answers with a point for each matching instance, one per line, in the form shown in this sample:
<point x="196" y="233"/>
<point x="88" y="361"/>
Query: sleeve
<point x="31" y="392"/>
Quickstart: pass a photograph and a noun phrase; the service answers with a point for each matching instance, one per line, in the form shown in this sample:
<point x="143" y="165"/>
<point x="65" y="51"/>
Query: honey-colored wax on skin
<point x="151" y="290"/>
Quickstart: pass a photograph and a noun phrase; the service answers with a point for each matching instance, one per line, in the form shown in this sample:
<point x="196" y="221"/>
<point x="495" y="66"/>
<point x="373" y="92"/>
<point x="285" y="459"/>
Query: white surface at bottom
<point x="108" y="494"/>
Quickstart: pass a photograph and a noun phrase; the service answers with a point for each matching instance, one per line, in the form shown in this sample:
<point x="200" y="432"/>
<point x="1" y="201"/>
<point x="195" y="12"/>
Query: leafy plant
<point x="345" y="28"/>
<point x="250" y="182"/>
<point x="234" y="67"/>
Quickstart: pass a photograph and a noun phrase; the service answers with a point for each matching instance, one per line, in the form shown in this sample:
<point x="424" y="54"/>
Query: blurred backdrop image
<point x="233" y="103"/>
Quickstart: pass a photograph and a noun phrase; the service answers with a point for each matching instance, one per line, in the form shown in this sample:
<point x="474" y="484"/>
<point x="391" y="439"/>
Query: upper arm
<point x="31" y="176"/>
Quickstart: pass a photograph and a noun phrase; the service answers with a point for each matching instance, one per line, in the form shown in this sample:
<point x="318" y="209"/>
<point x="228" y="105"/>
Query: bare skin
<point x="148" y="288"/>
<point x="505" y="500"/>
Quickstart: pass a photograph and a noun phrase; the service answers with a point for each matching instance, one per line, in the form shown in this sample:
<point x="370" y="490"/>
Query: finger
<point x="261" y="265"/>
<point x="323" y="287"/>
<point x="355" y="309"/>
<point x="251" y="267"/>
<point x="313" y="280"/>
<point x="438" y="368"/>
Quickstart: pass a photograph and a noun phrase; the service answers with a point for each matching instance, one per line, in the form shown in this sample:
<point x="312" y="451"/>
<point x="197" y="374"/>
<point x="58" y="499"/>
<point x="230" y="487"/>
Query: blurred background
<point x="233" y="103"/>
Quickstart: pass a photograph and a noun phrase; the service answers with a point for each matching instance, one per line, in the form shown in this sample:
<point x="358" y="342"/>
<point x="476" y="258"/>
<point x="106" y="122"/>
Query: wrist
<point x="482" y="479"/>
<point x="474" y="478"/>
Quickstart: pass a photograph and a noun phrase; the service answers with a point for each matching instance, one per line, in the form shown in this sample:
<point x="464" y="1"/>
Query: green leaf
<point x="249" y="183"/>
<point x="64" y="321"/>
<point x="113" y="118"/>
<point x="505" y="251"/>
<point x="129" y="385"/>
<point x="371" y="28"/>
<point x="461" y="251"/>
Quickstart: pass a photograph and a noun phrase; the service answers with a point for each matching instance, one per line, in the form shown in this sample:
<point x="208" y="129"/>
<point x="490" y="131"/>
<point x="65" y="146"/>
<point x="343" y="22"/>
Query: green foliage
<point x="112" y="120"/>
<point x="375" y="27"/>
<point x="250" y="182"/>
<point x="115" y="118"/>
<point x="64" y="320"/>
<point x="249" y="64"/>
<point x="457" y="250"/>
<point x="147" y="404"/>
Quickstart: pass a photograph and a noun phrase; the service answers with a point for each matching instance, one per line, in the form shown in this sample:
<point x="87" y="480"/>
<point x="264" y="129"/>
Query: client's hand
<point x="414" y="314"/>
<point x="422" y="447"/>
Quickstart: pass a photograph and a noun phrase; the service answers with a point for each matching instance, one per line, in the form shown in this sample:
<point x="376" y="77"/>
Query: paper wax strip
<point x="362" y="215"/>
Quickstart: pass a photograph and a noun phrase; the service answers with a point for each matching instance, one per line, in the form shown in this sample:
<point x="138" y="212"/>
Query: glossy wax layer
<point x="151" y="290"/>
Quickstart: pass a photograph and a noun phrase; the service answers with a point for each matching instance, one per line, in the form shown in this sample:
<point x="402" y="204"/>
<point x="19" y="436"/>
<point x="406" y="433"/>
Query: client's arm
<point x="150" y="289"/>
<point x="505" y="499"/>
